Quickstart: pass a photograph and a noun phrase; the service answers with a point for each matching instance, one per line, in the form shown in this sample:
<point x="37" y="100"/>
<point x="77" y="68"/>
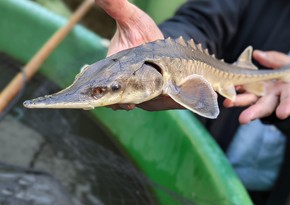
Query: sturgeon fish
<point x="180" y="69"/>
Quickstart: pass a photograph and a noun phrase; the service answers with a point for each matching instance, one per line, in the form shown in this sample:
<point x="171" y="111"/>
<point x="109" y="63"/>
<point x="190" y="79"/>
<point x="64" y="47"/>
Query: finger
<point x="264" y="107"/>
<point x="122" y="106"/>
<point x="160" y="103"/>
<point x="114" y="107"/>
<point x="271" y="59"/>
<point x="241" y="100"/>
<point x="127" y="106"/>
<point x="283" y="109"/>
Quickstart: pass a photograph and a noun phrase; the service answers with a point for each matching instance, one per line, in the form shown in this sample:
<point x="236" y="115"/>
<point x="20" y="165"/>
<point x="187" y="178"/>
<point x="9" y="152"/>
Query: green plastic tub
<point x="170" y="147"/>
<point x="159" y="10"/>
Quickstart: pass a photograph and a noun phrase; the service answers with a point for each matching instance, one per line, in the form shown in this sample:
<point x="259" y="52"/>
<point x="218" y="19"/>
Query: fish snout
<point x="35" y="103"/>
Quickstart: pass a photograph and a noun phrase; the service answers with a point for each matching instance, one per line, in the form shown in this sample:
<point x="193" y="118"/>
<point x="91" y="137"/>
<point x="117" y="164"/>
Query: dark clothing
<point x="226" y="28"/>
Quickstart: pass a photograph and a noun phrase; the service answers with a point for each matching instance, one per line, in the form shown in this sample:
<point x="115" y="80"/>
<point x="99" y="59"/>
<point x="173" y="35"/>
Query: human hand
<point x="277" y="98"/>
<point x="134" y="27"/>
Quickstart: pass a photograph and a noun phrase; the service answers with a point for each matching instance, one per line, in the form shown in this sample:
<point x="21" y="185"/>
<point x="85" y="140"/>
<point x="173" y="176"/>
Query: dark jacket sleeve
<point x="210" y="22"/>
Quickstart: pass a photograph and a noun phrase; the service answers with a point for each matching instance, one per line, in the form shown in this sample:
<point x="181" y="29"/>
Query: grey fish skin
<point x="182" y="70"/>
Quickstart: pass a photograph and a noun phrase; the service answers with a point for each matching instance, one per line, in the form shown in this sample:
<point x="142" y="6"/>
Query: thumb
<point x="271" y="59"/>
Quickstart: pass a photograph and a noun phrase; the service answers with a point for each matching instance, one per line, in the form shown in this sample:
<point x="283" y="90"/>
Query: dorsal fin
<point x="245" y="59"/>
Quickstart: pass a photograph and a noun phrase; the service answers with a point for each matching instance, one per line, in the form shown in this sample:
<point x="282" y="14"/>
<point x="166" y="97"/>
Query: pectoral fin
<point x="195" y="94"/>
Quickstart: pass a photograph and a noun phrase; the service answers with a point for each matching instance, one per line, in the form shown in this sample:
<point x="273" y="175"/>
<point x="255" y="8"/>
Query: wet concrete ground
<point x="20" y="184"/>
<point x="42" y="170"/>
<point x="24" y="142"/>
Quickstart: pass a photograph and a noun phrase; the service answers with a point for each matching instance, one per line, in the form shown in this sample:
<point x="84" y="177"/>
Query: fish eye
<point x="98" y="92"/>
<point x="115" y="87"/>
